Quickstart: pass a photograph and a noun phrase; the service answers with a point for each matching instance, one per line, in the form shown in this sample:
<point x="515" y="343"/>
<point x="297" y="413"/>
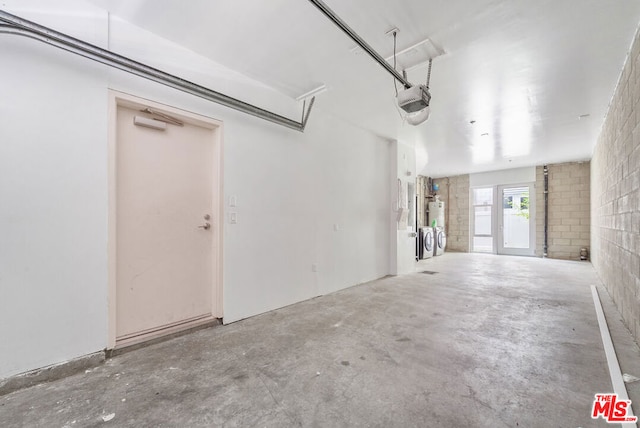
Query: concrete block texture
<point x="615" y="194"/>
<point x="568" y="223"/>
<point x="454" y="192"/>
<point x="569" y="210"/>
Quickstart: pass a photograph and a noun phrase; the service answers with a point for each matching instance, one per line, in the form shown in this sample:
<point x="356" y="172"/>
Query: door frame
<point x="500" y="218"/>
<point x="494" y="220"/>
<point x="117" y="99"/>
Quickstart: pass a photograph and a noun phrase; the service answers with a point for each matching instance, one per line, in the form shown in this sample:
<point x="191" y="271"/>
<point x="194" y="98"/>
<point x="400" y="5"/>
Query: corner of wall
<point x="615" y="194"/>
<point x="454" y="192"/>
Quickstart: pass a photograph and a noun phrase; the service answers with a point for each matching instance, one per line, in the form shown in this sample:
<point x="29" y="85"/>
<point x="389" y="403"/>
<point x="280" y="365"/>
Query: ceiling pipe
<point x="11" y="24"/>
<point x="356" y="38"/>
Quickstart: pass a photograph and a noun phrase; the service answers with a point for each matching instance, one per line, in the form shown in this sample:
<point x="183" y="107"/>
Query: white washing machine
<point x="440" y="241"/>
<point x="428" y="242"/>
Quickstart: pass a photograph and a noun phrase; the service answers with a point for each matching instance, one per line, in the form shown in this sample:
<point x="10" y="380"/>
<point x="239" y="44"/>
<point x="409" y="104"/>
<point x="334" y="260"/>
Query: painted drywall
<point x="53" y="135"/>
<point x="615" y="194"/>
<point x="402" y="177"/>
<point x="314" y="201"/>
<point x="350" y="201"/>
<point x="505" y="176"/>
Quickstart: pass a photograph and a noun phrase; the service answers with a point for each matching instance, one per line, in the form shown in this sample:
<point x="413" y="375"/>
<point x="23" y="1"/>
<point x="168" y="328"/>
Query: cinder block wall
<point x="539" y="211"/>
<point x="615" y="195"/>
<point x="454" y="191"/>
<point x="569" y="210"/>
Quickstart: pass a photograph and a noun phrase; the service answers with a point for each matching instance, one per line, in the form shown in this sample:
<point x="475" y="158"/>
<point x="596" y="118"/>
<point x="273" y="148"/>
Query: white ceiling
<point x="523" y="70"/>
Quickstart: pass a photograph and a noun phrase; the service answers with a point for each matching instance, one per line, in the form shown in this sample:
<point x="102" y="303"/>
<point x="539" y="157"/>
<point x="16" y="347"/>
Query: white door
<point x="516" y="222"/>
<point x="482" y="221"/>
<point x="164" y="212"/>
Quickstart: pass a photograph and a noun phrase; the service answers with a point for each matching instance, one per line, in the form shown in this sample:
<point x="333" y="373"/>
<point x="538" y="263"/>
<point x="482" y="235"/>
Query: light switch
<point x="233" y="201"/>
<point x="233" y="218"/>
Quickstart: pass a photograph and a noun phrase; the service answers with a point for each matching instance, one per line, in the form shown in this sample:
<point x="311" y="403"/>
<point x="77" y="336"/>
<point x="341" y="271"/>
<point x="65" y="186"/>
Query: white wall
<point x="403" y="168"/>
<point x="505" y="176"/>
<point x="320" y="198"/>
<point x="53" y="206"/>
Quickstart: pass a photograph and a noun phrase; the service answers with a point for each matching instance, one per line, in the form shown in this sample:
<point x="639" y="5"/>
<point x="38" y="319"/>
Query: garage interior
<point x="523" y="349"/>
<point x="263" y="151"/>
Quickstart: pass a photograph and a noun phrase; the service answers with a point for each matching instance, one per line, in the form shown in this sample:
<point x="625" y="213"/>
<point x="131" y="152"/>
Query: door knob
<point x="205" y="226"/>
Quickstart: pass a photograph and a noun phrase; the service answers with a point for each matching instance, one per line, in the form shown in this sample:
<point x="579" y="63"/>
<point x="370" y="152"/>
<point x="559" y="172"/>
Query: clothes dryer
<point x="440" y="241"/>
<point x="428" y="242"/>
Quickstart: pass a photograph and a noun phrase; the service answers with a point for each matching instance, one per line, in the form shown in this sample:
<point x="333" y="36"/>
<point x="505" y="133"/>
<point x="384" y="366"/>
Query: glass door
<point x="516" y="222"/>
<point x="483" y="219"/>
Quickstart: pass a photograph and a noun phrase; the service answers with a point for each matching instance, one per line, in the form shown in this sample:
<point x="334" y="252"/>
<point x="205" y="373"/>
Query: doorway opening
<point x="482" y="224"/>
<point x="165" y="220"/>
<point x="503" y="219"/>
<point x="516" y="220"/>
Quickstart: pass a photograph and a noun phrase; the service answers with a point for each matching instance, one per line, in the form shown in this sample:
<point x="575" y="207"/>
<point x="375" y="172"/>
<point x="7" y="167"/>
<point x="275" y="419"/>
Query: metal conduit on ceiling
<point x="11" y="24"/>
<point x="326" y="11"/>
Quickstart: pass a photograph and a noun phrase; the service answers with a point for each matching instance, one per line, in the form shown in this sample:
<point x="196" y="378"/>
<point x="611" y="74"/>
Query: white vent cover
<point x="417" y="55"/>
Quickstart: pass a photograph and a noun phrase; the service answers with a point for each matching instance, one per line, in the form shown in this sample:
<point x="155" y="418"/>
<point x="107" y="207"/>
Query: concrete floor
<point x="487" y="341"/>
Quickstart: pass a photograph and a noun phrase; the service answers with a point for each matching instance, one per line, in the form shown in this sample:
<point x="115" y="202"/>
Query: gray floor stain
<point x="488" y="342"/>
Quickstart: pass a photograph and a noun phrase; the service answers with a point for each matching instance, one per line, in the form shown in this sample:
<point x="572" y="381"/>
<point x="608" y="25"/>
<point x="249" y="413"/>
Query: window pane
<point x="483" y="196"/>
<point x="507" y="202"/>
<point x="482" y="220"/>
<point x="515" y="232"/>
